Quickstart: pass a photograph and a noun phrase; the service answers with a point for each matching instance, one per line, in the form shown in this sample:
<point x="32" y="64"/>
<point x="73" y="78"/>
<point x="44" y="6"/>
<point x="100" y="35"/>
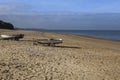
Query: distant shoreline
<point x="80" y="35"/>
<point x="100" y="34"/>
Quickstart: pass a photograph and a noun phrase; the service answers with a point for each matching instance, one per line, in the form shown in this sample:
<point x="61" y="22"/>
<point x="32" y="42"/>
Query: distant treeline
<point x="6" y="25"/>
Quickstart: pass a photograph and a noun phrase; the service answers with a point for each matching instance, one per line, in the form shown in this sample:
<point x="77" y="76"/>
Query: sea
<point x="105" y="34"/>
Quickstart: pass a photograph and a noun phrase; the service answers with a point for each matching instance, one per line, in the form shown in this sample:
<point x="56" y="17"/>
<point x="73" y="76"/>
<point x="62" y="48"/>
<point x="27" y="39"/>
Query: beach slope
<point x="78" y="58"/>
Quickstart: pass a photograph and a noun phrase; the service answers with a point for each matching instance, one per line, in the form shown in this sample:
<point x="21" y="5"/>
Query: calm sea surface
<point x="107" y="34"/>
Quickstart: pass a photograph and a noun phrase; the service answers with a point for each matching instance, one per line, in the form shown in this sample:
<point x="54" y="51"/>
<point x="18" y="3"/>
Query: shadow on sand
<point x="75" y="47"/>
<point x="68" y="47"/>
<point x="27" y="40"/>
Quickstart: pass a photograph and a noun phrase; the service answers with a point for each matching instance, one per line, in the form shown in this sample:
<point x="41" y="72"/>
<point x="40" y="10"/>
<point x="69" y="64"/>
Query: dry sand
<point x="78" y="58"/>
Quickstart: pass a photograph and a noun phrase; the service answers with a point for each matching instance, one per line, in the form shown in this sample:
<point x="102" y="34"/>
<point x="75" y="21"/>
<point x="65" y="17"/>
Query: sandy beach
<point x="77" y="58"/>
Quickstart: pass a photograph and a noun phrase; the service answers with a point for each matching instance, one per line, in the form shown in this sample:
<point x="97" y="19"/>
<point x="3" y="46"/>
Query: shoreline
<point x="55" y="31"/>
<point x="77" y="35"/>
<point x="92" y="37"/>
<point x="81" y="35"/>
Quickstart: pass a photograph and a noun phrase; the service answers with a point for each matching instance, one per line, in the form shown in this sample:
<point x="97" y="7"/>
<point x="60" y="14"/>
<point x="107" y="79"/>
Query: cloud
<point x="5" y="9"/>
<point x="15" y="8"/>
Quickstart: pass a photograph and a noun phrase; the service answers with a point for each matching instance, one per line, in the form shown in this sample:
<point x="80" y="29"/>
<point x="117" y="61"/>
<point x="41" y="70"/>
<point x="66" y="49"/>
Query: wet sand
<point x="77" y="58"/>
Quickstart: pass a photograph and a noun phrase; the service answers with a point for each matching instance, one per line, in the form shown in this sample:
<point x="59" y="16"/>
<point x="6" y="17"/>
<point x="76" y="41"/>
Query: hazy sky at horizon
<point x="37" y="7"/>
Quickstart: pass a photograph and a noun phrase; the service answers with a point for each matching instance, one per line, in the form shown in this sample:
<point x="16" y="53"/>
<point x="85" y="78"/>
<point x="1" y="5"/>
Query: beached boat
<point x="49" y="42"/>
<point x="11" y="37"/>
<point x="6" y="36"/>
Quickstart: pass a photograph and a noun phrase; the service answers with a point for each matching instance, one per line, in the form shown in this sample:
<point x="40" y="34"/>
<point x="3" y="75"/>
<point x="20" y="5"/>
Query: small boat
<point x="6" y="36"/>
<point x="49" y="42"/>
<point x="11" y="37"/>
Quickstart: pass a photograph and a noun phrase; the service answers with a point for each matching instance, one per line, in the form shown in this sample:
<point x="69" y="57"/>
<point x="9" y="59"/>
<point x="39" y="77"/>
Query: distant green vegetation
<point x="6" y="25"/>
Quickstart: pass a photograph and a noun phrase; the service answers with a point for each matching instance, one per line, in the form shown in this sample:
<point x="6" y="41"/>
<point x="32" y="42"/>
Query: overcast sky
<point x="77" y="8"/>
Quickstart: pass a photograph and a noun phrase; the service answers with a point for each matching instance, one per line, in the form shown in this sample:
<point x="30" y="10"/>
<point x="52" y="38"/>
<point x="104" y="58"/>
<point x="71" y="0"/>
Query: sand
<point x="78" y="58"/>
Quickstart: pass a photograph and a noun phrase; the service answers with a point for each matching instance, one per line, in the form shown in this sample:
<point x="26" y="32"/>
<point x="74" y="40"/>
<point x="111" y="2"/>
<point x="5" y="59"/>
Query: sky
<point x="78" y="8"/>
<point x="58" y="6"/>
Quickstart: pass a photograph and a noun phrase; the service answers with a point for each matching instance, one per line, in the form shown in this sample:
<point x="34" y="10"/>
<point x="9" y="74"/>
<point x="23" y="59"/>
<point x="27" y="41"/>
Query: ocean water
<point x="106" y="34"/>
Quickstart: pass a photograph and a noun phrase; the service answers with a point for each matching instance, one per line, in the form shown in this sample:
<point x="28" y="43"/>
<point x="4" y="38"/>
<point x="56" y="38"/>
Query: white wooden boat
<point x="6" y="36"/>
<point x="49" y="42"/>
<point x="11" y="37"/>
